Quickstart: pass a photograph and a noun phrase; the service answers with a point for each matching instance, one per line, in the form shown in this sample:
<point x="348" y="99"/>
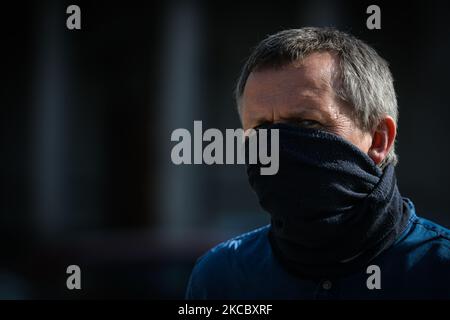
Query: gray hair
<point x="366" y="82"/>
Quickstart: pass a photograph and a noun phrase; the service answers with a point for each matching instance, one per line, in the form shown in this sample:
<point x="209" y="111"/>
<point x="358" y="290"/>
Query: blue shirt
<point x="416" y="266"/>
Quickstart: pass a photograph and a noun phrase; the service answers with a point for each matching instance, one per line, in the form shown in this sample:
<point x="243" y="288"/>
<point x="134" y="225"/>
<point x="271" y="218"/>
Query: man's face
<point x="301" y="93"/>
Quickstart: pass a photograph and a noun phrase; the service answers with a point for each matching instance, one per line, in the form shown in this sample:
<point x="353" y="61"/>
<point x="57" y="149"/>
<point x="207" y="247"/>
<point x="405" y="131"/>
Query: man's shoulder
<point x="427" y="230"/>
<point x="243" y="245"/>
<point x="437" y="235"/>
<point x="423" y="257"/>
<point x="434" y="229"/>
<point x="424" y="231"/>
<point x="223" y="265"/>
<point x="426" y="243"/>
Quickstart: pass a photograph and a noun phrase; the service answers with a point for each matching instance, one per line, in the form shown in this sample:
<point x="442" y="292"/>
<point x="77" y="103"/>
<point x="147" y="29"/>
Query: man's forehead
<point x="307" y="77"/>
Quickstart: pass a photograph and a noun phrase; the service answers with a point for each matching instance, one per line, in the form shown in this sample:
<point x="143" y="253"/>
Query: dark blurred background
<point x="86" y="118"/>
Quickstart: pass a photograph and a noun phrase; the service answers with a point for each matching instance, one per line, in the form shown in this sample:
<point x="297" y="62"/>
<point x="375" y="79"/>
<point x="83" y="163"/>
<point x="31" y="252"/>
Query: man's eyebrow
<point x="299" y="112"/>
<point x="302" y="111"/>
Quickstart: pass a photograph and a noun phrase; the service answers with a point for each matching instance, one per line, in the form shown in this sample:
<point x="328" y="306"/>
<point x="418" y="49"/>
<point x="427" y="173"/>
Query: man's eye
<point x="310" y="124"/>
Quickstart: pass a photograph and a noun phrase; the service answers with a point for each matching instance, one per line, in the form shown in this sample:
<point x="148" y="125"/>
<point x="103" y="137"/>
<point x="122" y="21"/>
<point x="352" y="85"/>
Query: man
<point x="339" y="227"/>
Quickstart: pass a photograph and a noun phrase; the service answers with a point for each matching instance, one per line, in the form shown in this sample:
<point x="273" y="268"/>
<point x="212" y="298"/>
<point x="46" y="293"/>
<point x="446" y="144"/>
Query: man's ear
<point x="383" y="139"/>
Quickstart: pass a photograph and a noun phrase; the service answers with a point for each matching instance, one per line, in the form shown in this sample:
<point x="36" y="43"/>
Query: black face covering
<point x="332" y="209"/>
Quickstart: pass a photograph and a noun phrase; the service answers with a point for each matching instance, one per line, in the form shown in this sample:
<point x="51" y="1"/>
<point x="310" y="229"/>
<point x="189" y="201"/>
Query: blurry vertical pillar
<point x="50" y="122"/>
<point x="180" y="198"/>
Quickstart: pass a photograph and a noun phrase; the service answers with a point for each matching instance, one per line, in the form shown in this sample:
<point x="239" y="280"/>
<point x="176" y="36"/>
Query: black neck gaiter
<point x="332" y="209"/>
